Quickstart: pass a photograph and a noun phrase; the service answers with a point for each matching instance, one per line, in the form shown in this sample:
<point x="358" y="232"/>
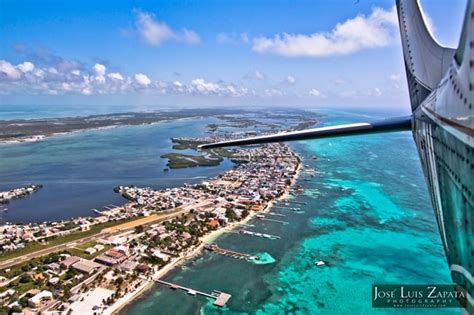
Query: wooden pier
<point x="220" y="298"/>
<point x="262" y="217"/>
<point x="257" y="234"/>
<point x="296" y="202"/>
<point x="277" y="214"/>
<point x="229" y="253"/>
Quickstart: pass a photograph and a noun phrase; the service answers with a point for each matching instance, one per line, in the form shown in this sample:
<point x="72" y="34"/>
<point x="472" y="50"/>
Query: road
<point x="107" y="232"/>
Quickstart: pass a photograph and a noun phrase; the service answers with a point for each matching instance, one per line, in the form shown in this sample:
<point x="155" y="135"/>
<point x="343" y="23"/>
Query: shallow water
<point x="79" y="170"/>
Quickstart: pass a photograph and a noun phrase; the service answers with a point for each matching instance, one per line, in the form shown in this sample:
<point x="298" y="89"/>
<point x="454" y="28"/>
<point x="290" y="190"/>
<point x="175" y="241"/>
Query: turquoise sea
<point x="367" y="214"/>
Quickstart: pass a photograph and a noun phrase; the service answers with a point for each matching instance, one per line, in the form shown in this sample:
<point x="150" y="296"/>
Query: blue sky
<point x="340" y="53"/>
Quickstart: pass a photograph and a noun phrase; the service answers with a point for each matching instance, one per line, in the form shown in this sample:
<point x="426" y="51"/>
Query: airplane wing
<point x="385" y="125"/>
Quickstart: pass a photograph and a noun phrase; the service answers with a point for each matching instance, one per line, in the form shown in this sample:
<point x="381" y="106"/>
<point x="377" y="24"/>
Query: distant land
<point x="19" y="130"/>
<point x="26" y="130"/>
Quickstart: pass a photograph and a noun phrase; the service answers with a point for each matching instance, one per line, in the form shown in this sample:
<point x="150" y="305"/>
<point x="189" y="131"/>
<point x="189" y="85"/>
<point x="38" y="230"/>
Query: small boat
<point x="320" y="263"/>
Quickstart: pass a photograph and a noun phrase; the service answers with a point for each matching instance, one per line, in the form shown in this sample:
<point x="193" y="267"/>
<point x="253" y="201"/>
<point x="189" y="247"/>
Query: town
<point x="98" y="264"/>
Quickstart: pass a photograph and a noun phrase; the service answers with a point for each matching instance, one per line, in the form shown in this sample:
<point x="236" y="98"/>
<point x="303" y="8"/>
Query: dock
<point x="293" y="209"/>
<point x="277" y="214"/>
<point x="220" y="298"/>
<point x="257" y="234"/>
<point x="261" y="217"/>
<point x="296" y="202"/>
<point x="229" y="253"/>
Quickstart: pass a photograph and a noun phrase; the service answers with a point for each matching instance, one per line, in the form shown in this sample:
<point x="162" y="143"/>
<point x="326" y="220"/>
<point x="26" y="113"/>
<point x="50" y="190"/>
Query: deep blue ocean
<point x="367" y="214"/>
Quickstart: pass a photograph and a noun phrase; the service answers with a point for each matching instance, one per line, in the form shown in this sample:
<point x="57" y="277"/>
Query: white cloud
<point x="142" y="79"/>
<point x="272" y="92"/>
<point x="395" y="80"/>
<point x="315" y="92"/>
<point x="66" y="86"/>
<point x="39" y="73"/>
<point x="99" y="69"/>
<point x="395" y="77"/>
<point x="204" y="87"/>
<point x="379" y="29"/>
<point x="53" y="80"/>
<point x="154" y="32"/>
<point x="375" y="92"/>
<point x="53" y="70"/>
<point x="190" y="37"/>
<point x="259" y="76"/>
<point x="26" y="66"/>
<point x="115" y="76"/>
<point x="86" y="91"/>
<point x="9" y="71"/>
<point x="290" y="79"/>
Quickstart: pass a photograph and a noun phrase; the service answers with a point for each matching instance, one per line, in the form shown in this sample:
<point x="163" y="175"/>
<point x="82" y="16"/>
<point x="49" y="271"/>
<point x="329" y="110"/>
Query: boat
<point x="320" y="263"/>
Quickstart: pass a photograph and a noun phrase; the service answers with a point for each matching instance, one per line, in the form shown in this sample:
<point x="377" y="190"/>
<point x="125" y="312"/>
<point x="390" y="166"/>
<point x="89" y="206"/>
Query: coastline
<point x="206" y="239"/>
<point x="40" y="137"/>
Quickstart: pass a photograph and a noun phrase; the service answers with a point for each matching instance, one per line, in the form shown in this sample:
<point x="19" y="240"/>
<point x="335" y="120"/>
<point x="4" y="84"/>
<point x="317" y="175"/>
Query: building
<point x="39" y="298"/>
<point x="111" y="257"/>
<point x="128" y="266"/>
<point x="99" y="247"/>
<point x="213" y="223"/>
<point x="69" y="261"/>
<point x="54" y="280"/>
<point x="86" y="266"/>
<point x="90" y="250"/>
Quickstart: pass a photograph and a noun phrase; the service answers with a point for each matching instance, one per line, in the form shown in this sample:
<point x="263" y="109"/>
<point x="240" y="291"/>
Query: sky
<point x="338" y="53"/>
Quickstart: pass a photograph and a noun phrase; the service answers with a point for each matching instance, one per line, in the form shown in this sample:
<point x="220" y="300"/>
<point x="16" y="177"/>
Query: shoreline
<point x="41" y="137"/>
<point x="206" y="239"/>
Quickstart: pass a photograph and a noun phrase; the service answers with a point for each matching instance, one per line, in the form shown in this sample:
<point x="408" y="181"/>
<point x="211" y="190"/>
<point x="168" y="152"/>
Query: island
<point x="99" y="263"/>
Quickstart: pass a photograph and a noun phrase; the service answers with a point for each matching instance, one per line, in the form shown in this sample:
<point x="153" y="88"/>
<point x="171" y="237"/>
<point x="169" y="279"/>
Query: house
<point x="38" y="276"/>
<point x="186" y="236"/>
<point x="99" y="247"/>
<point x="213" y="223"/>
<point x="7" y="293"/>
<point x="39" y="298"/>
<point x="54" y="267"/>
<point x="160" y="255"/>
<point x="54" y="281"/>
<point x="90" y="250"/>
<point x="143" y="267"/>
